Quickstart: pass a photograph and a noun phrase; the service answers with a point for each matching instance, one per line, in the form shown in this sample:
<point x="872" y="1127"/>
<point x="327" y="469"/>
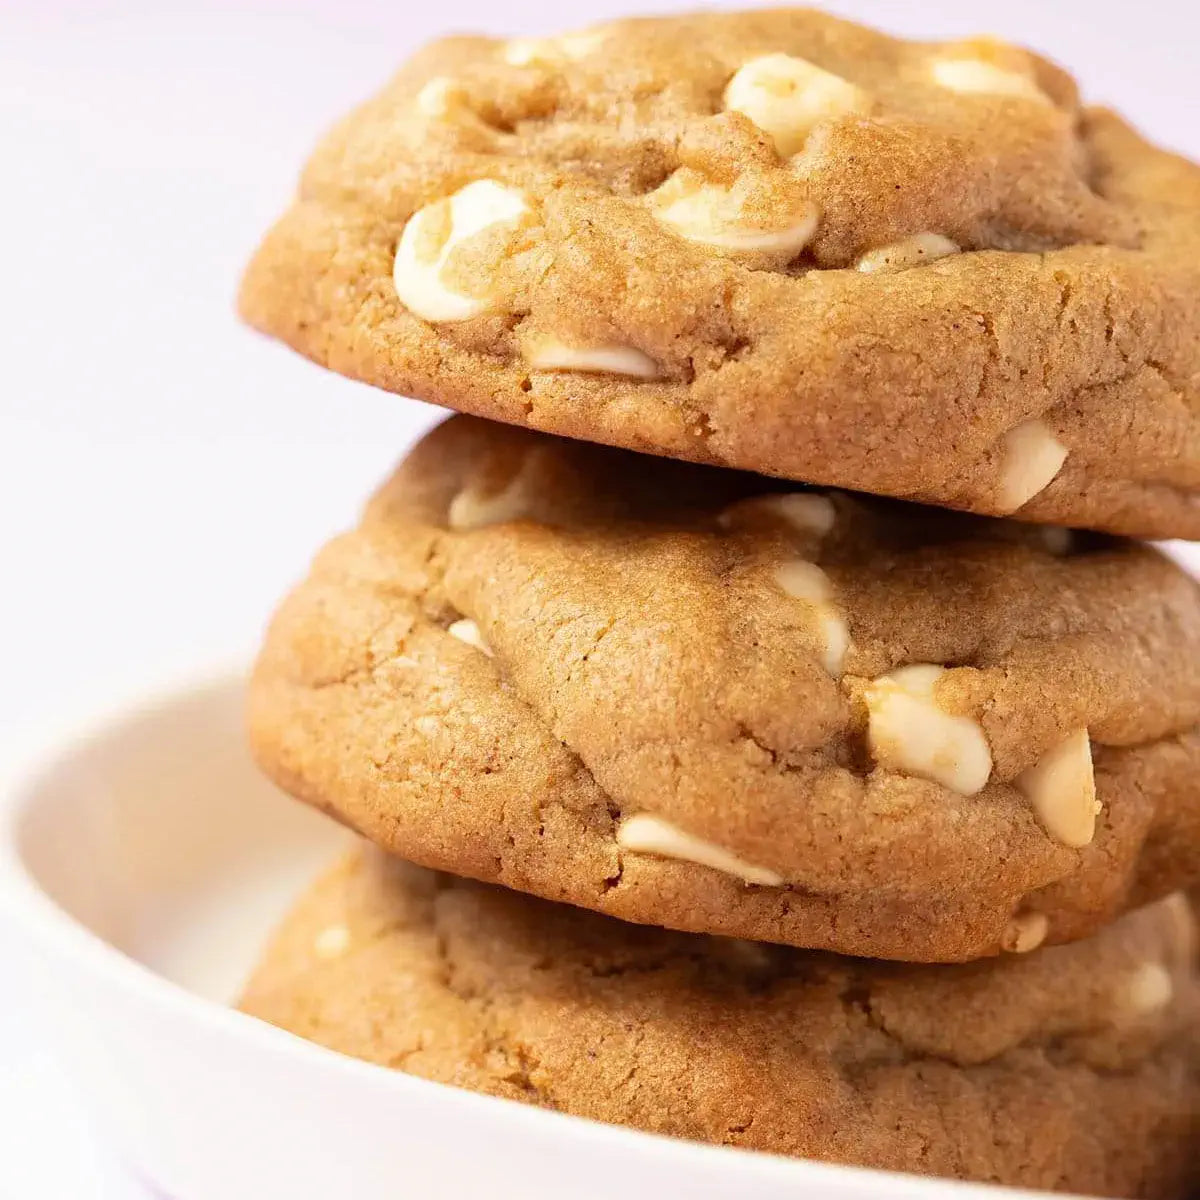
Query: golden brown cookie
<point x="774" y="241"/>
<point x="668" y="693"/>
<point x="1077" y="1067"/>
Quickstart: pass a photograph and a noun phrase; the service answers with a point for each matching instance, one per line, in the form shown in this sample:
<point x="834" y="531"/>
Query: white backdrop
<point x="163" y="473"/>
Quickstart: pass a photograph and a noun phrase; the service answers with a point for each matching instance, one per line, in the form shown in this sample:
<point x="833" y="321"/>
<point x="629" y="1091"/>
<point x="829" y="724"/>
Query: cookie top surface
<point x="1076" y="1067"/>
<point x="666" y="692"/>
<point x="770" y="240"/>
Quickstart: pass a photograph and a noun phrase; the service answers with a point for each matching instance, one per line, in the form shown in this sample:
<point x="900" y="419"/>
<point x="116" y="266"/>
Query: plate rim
<point x="46" y="926"/>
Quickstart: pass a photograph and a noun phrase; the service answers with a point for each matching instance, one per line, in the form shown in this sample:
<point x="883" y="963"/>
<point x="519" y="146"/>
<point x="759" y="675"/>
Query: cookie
<point x="774" y="241"/>
<point x="669" y="693"/>
<point x="1076" y="1068"/>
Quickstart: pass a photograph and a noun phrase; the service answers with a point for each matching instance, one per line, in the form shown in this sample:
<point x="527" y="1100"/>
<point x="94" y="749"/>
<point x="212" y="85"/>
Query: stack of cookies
<point x="882" y="810"/>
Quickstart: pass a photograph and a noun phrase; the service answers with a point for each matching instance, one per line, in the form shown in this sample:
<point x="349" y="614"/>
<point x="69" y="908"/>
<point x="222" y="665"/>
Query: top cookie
<point x="770" y="240"/>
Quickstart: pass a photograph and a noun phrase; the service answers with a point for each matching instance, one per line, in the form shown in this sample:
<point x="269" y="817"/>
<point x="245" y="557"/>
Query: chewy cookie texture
<point x="1075" y="1068"/>
<point x="677" y="696"/>
<point x="774" y="241"/>
<point x="623" y="646"/>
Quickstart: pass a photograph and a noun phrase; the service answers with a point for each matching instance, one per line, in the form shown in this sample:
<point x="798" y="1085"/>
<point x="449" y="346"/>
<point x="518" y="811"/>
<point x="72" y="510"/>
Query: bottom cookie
<point x="1075" y="1068"/>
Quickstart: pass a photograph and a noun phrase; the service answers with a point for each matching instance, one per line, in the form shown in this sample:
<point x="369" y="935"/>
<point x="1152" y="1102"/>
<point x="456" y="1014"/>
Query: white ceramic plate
<point x="146" y="861"/>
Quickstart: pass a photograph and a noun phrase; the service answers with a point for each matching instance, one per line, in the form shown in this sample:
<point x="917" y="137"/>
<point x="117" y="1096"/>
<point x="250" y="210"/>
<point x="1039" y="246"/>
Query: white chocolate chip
<point x="707" y="212"/>
<point x="908" y="732"/>
<point x="552" y="52"/>
<point x="524" y="52"/>
<point x="427" y="726"/>
<point x="546" y="353"/>
<point x="471" y="509"/>
<point x="1061" y="786"/>
<point x="787" y="96"/>
<point x="433" y="233"/>
<point x="806" y="581"/>
<point x="440" y="97"/>
<point x="644" y="834"/>
<point x="467" y="631"/>
<point x="808" y="513"/>
<point x="445" y="99"/>
<point x="1030" y="457"/>
<point x="1148" y="988"/>
<point x="911" y="252"/>
<point x="975" y="76"/>
<point x="332" y="942"/>
<point x="1025" y="932"/>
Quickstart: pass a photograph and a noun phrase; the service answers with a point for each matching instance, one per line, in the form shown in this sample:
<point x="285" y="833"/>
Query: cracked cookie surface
<point x="672" y="694"/>
<point x="1076" y="1067"/>
<point x="774" y="241"/>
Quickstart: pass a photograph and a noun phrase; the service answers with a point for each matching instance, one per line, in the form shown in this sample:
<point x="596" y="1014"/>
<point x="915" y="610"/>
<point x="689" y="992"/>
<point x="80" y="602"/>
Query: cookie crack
<point x="1062" y="1050"/>
<point x="518" y="1063"/>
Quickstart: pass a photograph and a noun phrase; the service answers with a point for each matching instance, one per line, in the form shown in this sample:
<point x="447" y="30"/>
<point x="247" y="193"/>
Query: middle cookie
<point x="683" y="697"/>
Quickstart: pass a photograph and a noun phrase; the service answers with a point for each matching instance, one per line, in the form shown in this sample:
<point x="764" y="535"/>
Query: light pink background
<point x="163" y="474"/>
